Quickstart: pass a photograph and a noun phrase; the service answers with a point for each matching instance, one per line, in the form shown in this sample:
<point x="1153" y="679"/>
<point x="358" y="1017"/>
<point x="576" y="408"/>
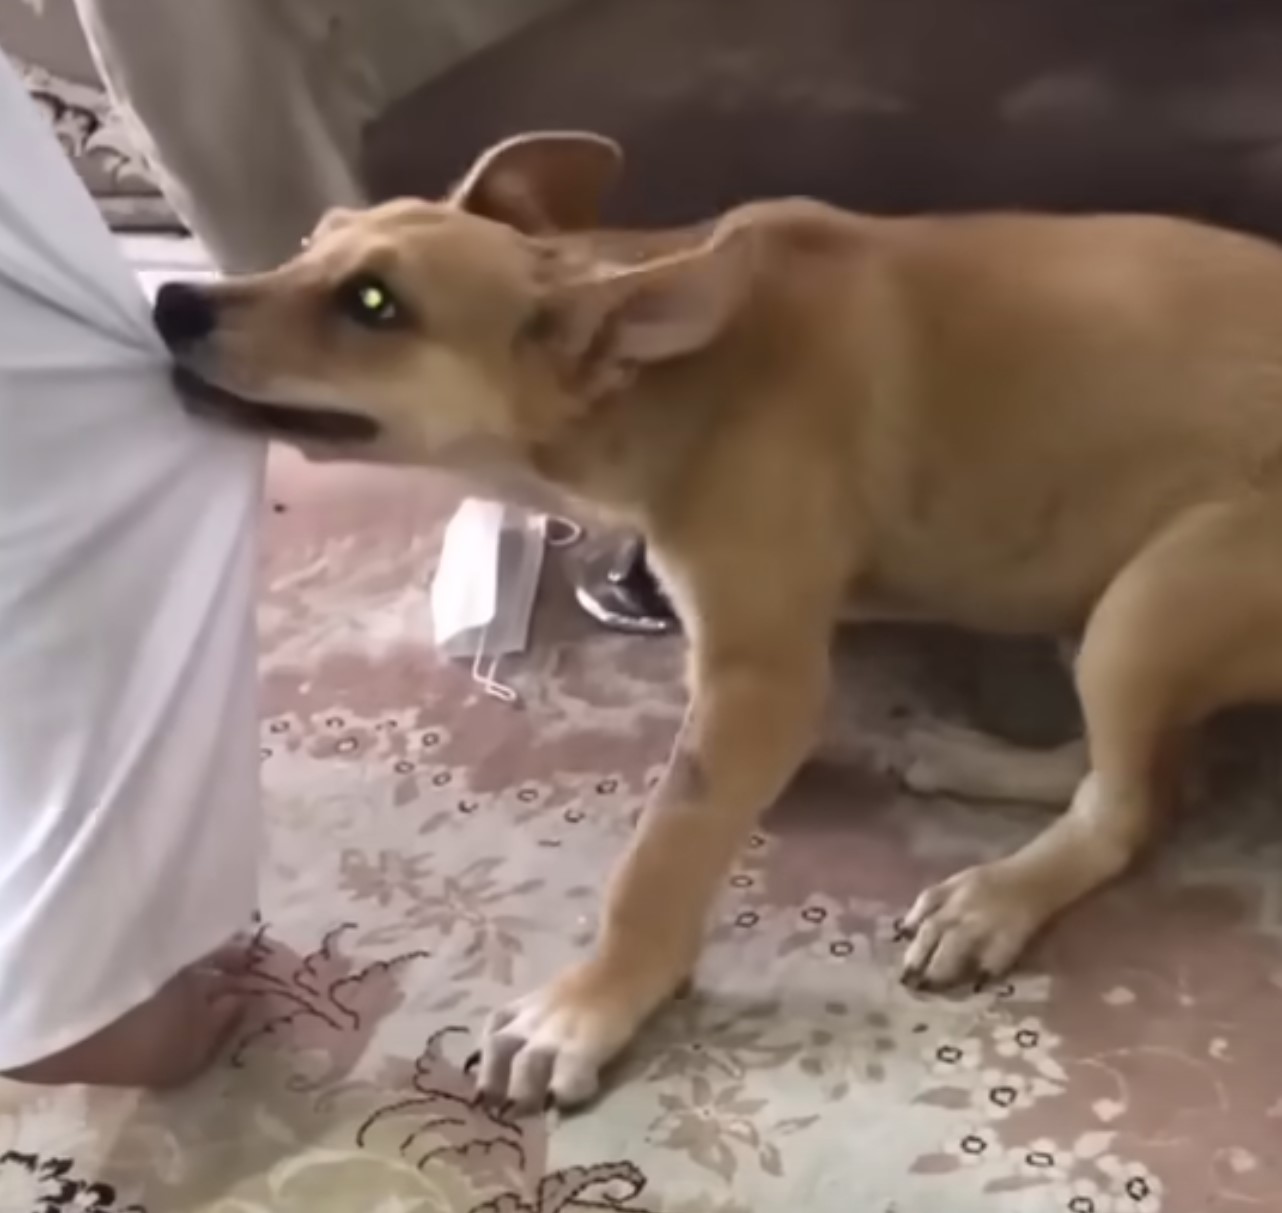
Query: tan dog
<point x="1010" y="423"/>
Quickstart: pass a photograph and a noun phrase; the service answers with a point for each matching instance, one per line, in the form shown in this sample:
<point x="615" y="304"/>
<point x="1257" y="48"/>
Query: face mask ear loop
<point x="485" y="677"/>
<point x="560" y="532"/>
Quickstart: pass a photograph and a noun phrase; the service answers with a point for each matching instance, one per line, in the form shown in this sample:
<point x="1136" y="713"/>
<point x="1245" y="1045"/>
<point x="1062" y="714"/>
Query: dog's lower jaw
<point x="299" y="424"/>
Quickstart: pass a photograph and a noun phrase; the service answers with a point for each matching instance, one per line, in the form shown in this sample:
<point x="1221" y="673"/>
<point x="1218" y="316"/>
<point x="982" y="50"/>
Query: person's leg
<point x="220" y="95"/>
<point x="253" y="110"/>
<point x="161" y="1043"/>
<point x="128" y="724"/>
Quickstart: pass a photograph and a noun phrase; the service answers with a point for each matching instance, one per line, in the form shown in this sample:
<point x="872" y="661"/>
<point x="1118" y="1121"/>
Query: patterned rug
<point x="45" y="42"/>
<point x="433" y="851"/>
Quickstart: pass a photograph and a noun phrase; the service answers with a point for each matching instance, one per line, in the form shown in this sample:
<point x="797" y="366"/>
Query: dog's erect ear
<point x="547" y="181"/>
<point x="609" y="324"/>
<point x="333" y="220"/>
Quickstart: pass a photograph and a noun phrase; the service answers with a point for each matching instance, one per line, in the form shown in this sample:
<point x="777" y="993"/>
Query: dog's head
<point x="419" y="331"/>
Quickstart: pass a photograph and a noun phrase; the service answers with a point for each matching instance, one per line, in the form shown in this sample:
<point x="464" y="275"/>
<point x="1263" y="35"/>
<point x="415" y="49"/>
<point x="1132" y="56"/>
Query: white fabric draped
<point x="128" y="717"/>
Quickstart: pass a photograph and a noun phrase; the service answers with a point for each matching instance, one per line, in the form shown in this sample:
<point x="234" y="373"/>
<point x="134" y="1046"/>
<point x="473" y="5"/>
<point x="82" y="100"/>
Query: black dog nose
<point x="183" y="314"/>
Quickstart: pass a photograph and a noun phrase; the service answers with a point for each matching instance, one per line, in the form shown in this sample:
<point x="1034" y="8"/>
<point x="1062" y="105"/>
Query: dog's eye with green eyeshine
<point x="368" y="301"/>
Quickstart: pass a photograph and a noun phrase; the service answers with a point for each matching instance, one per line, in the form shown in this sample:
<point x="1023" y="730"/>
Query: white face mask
<point x="485" y="584"/>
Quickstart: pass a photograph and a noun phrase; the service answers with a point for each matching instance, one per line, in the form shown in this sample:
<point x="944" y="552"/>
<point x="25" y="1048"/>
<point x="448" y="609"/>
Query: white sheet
<point x="128" y="714"/>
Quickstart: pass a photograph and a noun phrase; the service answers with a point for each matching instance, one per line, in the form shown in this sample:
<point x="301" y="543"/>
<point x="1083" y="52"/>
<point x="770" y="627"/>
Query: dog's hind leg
<point x="937" y="759"/>
<point x="1192" y="625"/>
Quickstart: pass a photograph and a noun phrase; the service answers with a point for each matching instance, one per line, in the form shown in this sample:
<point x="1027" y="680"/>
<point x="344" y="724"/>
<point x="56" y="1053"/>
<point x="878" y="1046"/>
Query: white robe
<point x="129" y="814"/>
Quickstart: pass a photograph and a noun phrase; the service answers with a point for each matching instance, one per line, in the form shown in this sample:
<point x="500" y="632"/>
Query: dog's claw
<point x="547" y="1050"/>
<point x="493" y="1102"/>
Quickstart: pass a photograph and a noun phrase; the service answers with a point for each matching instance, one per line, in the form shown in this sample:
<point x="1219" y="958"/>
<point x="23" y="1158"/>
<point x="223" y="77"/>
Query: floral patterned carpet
<point x="433" y="851"/>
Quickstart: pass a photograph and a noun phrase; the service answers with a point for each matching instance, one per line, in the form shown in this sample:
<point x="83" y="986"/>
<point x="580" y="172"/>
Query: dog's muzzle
<point x="184" y="315"/>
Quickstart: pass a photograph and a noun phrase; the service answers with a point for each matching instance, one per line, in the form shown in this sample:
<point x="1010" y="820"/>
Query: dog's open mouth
<point x="204" y="399"/>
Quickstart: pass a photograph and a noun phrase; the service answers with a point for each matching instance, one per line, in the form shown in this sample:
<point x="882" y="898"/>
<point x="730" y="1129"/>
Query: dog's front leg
<point x="755" y="707"/>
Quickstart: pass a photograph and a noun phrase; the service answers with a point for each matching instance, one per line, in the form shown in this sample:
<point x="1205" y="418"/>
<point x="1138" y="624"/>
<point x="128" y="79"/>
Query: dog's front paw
<point x="547" y="1049"/>
<point x="972" y="926"/>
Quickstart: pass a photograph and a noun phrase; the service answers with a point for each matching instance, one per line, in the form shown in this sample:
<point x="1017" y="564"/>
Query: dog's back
<point x="1046" y="392"/>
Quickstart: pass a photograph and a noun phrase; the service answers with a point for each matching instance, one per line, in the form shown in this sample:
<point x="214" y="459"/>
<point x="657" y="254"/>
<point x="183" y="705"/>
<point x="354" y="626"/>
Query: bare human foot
<point x="165" y="1042"/>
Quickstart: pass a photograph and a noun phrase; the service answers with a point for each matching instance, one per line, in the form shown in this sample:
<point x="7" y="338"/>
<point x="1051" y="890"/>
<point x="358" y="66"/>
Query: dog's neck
<point x="634" y="455"/>
<point x="626" y="457"/>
